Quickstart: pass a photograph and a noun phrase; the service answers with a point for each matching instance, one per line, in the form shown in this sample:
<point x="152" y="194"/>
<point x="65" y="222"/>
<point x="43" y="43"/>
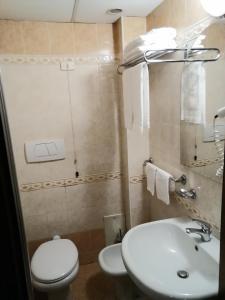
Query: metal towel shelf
<point x="153" y="57"/>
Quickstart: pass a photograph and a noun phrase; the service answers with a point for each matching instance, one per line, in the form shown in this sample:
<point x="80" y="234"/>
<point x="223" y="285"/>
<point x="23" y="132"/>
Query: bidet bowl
<point x="111" y="262"/>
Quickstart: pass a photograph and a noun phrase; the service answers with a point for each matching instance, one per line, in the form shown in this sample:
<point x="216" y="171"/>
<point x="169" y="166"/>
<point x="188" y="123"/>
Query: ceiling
<point x="86" y="11"/>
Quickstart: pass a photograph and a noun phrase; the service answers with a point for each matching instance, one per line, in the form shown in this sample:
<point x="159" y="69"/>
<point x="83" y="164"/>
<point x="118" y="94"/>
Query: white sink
<point x="154" y="252"/>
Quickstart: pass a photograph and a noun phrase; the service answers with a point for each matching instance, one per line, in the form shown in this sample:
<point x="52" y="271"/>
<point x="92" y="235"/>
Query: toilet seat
<point x="54" y="260"/>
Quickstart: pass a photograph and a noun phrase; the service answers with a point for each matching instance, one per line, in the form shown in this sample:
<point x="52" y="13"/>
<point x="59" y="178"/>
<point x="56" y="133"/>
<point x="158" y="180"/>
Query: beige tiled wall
<point x="165" y="117"/>
<point x="137" y="204"/>
<point x="56" y="38"/>
<point x="176" y="13"/>
<point x="132" y="28"/>
<point x="139" y="208"/>
<point x="118" y="37"/>
<point x="70" y="209"/>
<point x="81" y="106"/>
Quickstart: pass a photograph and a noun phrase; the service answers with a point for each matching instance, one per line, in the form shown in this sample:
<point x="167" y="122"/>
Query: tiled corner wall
<point x="165" y="121"/>
<point x="82" y="106"/>
<point x="135" y="143"/>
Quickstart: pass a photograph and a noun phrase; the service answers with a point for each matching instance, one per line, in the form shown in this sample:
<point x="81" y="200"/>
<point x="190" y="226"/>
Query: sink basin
<point x="164" y="261"/>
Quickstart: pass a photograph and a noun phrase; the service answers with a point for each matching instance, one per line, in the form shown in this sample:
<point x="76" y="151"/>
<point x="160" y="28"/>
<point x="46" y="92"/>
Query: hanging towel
<point x="146" y="98"/>
<point x="136" y="97"/>
<point x="150" y="171"/>
<point x="163" y="185"/>
<point x="193" y="93"/>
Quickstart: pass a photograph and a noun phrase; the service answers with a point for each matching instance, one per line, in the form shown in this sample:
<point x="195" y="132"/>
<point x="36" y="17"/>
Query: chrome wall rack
<point x="188" y="55"/>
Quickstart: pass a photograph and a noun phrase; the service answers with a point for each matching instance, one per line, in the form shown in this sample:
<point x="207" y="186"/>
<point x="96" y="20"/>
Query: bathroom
<point x="87" y="163"/>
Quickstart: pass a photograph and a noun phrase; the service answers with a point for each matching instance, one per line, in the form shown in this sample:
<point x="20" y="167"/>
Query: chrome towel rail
<point x="189" y="55"/>
<point x="182" y="179"/>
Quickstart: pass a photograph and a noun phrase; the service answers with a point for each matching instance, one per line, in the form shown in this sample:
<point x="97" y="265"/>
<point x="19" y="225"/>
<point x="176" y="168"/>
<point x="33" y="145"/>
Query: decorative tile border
<point x="28" y="187"/>
<point x="55" y="59"/>
<point x="201" y="162"/>
<point x="137" y="179"/>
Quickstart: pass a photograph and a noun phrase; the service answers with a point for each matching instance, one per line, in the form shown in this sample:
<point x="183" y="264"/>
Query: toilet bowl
<point x="54" y="266"/>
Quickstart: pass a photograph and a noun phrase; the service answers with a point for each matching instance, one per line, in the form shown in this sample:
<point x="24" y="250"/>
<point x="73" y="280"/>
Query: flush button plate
<point x="44" y="150"/>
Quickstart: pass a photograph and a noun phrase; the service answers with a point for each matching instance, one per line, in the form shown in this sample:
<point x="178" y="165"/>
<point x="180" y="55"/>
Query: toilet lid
<point x="54" y="260"/>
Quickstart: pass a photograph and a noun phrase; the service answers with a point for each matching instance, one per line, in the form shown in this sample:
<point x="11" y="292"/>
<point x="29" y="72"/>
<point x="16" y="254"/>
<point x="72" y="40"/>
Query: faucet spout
<point x="204" y="232"/>
<point x="205" y="237"/>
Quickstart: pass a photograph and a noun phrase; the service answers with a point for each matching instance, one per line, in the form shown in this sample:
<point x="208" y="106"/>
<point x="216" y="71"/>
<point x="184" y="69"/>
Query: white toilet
<point x="54" y="266"/>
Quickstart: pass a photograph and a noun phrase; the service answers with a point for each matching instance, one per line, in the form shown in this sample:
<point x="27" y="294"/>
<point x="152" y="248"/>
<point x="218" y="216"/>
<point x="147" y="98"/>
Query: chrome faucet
<point x="204" y="232"/>
<point x="187" y="194"/>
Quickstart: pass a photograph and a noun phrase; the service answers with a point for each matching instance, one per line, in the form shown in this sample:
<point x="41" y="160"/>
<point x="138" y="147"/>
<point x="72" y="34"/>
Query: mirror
<point x="198" y="149"/>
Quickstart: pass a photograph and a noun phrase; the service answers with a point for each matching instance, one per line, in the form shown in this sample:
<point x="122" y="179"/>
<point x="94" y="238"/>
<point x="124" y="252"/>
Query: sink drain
<point x="182" y="274"/>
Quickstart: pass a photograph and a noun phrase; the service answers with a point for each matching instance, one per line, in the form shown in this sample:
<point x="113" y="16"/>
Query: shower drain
<point x="182" y="274"/>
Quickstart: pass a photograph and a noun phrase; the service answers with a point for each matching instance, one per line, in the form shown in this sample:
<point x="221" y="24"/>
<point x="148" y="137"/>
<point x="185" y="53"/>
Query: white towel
<point x="155" y="36"/>
<point x="193" y="93"/>
<point x="163" y="185"/>
<point x="150" y="171"/>
<point x="136" y="97"/>
<point x="146" y="98"/>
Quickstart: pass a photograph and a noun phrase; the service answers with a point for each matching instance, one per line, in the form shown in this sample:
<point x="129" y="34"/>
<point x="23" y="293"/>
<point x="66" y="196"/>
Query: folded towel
<point x="154" y="36"/>
<point x="136" y="96"/>
<point x="163" y="185"/>
<point x="150" y="171"/>
<point x="141" y="49"/>
<point x="193" y="93"/>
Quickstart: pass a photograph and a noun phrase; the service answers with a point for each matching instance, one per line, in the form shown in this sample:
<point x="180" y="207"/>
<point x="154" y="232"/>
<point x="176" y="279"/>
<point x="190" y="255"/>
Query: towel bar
<point x="152" y="58"/>
<point x="182" y="179"/>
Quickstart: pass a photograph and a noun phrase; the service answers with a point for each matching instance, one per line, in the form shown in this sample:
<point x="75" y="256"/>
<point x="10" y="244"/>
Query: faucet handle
<point x="205" y="226"/>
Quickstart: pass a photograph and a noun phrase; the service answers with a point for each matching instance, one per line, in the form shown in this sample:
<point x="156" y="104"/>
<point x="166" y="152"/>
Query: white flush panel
<point x="44" y="150"/>
<point x="37" y="10"/>
<point x="94" y="11"/>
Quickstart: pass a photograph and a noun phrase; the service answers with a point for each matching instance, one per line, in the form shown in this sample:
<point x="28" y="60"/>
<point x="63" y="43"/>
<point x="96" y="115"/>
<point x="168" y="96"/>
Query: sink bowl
<point x="165" y="262"/>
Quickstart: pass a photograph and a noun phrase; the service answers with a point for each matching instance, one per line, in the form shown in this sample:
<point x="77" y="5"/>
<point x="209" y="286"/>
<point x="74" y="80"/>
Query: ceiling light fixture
<point x="215" y="8"/>
<point x="114" y="11"/>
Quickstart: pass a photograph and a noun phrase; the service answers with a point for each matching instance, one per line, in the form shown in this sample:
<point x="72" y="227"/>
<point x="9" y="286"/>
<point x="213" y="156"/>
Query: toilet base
<point x="61" y="294"/>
